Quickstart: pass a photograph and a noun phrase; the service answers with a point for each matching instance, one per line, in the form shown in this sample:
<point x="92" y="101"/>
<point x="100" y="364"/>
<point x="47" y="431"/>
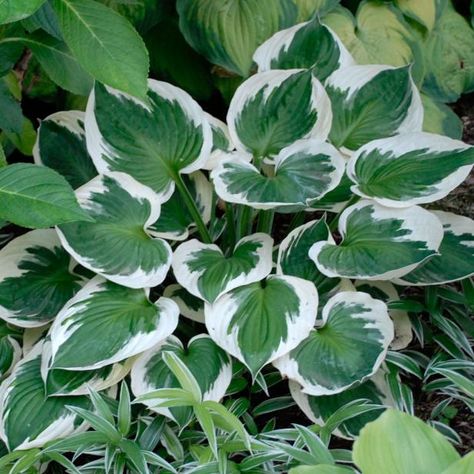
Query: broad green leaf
<point x="260" y="322"/>
<point x="320" y="469"/>
<point x="122" y="319"/>
<point x="61" y="145"/>
<point x="16" y="10"/>
<point x="424" y="12"/>
<point x="151" y="142"/>
<point x="379" y="243"/>
<point x="456" y="254"/>
<point x="308" y="8"/>
<point x="440" y="118"/>
<point x="207" y="362"/>
<point x="23" y="140"/>
<point x="45" y="19"/>
<point x="273" y="109"/>
<point x="398" y="443"/>
<point x="35" y="196"/>
<point x="105" y="44"/>
<point x="309" y="45"/>
<point x="36" y="279"/>
<point x="413" y="168"/>
<point x="221" y="142"/>
<point x="304" y="172"/>
<point x="29" y="418"/>
<point x="11" y="119"/>
<point x="175" y="221"/>
<point x="117" y="244"/>
<point x="345" y="350"/>
<point x="371" y="102"/>
<point x="207" y="273"/>
<point x="227" y="32"/>
<point x="464" y="465"/>
<point x="190" y="306"/>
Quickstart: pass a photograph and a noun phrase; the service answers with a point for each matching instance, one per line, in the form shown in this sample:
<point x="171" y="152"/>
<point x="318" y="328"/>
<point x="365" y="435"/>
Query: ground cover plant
<point x="225" y="246"/>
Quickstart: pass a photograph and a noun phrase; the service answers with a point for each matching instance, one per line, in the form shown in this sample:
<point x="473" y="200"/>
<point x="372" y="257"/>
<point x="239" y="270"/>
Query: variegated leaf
<point x="117" y="245"/>
<point x="221" y="142"/>
<point x="10" y="349"/>
<point x="346" y="350"/>
<point x="260" y="322"/>
<point x="413" y="168"/>
<point x="152" y="142"/>
<point x="207" y="273"/>
<point x="36" y="279"/>
<point x="273" y="109"/>
<point x="122" y="319"/>
<point x="190" y="306"/>
<point x="304" y="172"/>
<point x="379" y="243"/>
<point x="371" y="102"/>
<point x="337" y="199"/>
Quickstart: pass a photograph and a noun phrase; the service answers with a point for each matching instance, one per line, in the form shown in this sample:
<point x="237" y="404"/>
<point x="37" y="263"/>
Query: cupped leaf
<point x="273" y="109"/>
<point x="260" y="322"/>
<point x="371" y="102"/>
<point x="190" y="306"/>
<point x="16" y="10"/>
<point x="398" y="443"/>
<point x="61" y="145"/>
<point x="36" y="279"/>
<point x="175" y="220"/>
<point x="210" y="365"/>
<point x="227" y="32"/>
<point x="221" y="142"/>
<point x="105" y="44"/>
<point x="456" y="254"/>
<point x="117" y="245"/>
<point x="308" y="45"/>
<point x="122" y="319"/>
<point x="413" y="168"/>
<point x="379" y="243"/>
<point x="304" y="172"/>
<point x="346" y="350"/>
<point x="28" y="417"/>
<point x="36" y="196"/>
<point x="207" y="273"/>
<point x="152" y="142"/>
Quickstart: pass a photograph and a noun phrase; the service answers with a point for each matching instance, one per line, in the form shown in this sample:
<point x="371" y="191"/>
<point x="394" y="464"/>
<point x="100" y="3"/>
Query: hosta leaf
<point x="221" y="142"/>
<point x="151" y="142"/>
<point x="386" y="292"/>
<point x="273" y="109"/>
<point x="61" y="145"/>
<point x="347" y="349"/>
<point x="308" y="8"/>
<point x="424" y="12"/>
<point x="337" y="199"/>
<point x="207" y="273"/>
<point x="190" y="306"/>
<point x="175" y="221"/>
<point x="456" y="259"/>
<point x="440" y="118"/>
<point x="371" y="102"/>
<point x="227" y="32"/>
<point x="209" y="364"/>
<point x="117" y="244"/>
<point x="29" y="418"/>
<point x="319" y="409"/>
<point x="16" y="10"/>
<point x="35" y="196"/>
<point x="105" y="44"/>
<point x="10" y="349"/>
<point x="36" y="280"/>
<point x="398" y="443"/>
<point x="309" y="45"/>
<point x="304" y="172"/>
<point x="413" y="168"/>
<point x="122" y="319"/>
<point x="320" y="469"/>
<point x="260" y="322"/>
<point x="464" y="465"/>
<point x="379" y="243"/>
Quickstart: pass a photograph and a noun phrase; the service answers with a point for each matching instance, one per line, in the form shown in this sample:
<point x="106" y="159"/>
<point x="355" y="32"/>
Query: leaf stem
<point x="230" y="220"/>
<point x="265" y="221"/>
<point x="244" y="223"/>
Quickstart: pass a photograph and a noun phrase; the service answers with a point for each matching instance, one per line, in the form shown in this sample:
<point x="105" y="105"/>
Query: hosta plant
<point x="183" y="249"/>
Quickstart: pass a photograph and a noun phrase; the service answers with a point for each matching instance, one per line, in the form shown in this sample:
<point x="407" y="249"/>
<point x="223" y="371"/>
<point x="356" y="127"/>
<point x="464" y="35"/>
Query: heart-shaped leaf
<point x="273" y="109"/>
<point x="379" y="243"/>
<point x="260" y="322"/>
<point x="207" y="273"/>
<point x="28" y="417"/>
<point x="308" y="45"/>
<point x="61" y="145"/>
<point x="210" y="365"/>
<point x="117" y="245"/>
<point x="413" y="168"/>
<point x="346" y="350"/>
<point x="122" y="319"/>
<point x="371" y="102"/>
<point x="304" y="172"/>
<point x="151" y="142"/>
<point x="36" y="280"/>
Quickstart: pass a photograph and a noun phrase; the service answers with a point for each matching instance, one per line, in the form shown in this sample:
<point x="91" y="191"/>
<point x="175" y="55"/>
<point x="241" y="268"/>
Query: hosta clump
<point x="173" y="216"/>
